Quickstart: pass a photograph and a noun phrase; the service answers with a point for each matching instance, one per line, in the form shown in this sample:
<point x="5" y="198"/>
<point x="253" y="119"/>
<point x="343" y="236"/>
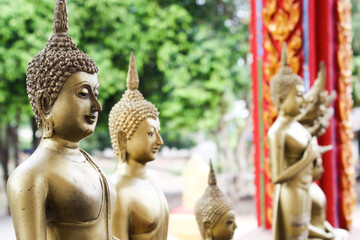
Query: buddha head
<point x="134" y="124"/>
<point x="215" y="213"/>
<point x="62" y="84"/>
<point x="287" y="88"/>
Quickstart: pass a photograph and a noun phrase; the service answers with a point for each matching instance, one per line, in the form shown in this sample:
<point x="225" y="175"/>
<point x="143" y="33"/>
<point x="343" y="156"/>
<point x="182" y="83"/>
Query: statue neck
<point x="135" y="169"/>
<point x="64" y="146"/>
<point x="285" y="116"/>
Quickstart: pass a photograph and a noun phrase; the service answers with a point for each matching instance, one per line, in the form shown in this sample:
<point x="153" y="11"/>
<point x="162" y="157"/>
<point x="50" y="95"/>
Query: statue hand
<point x="312" y="151"/>
<point x="329" y="235"/>
<point x="324" y="149"/>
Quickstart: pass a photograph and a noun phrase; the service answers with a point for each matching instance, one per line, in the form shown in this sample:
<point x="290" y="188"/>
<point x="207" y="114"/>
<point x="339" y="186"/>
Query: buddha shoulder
<point x="29" y="177"/>
<point x="34" y="170"/>
<point x="278" y="127"/>
<point x="122" y="182"/>
<point x="275" y="131"/>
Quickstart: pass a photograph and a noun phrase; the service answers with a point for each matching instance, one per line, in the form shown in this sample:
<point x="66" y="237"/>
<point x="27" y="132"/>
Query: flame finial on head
<point x="60" y="26"/>
<point x="212" y="177"/>
<point x="284" y="55"/>
<point x="132" y="79"/>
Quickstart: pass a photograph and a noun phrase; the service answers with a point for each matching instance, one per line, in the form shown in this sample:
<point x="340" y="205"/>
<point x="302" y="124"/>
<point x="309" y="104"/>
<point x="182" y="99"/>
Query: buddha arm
<point x="277" y="149"/>
<point x="121" y="218"/>
<point x="328" y="226"/>
<point x="315" y="232"/>
<point x="27" y="193"/>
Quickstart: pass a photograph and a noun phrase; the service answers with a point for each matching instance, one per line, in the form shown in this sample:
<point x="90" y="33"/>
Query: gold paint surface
<point x="141" y="210"/>
<point x="59" y="192"/>
<point x="214" y="212"/>
<point x="294" y="149"/>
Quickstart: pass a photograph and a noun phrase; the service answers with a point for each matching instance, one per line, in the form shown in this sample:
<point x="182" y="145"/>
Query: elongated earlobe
<point x="48" y="128"/>
<point x="122" y="145"/>
<point x="207" y="230"/>
<point x="43" y="103"/>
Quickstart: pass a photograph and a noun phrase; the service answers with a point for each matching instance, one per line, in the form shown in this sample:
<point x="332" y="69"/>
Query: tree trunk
<point x="4" y="153"/>
<point x="15" y="138"/>
<point x="226" y="151"/>
<point x="36" y="140"/>
<point x="242" y="154"/>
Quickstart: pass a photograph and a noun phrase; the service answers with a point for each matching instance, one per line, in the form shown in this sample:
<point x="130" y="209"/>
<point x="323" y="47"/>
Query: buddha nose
<point x="96" y="106"/>
<point x="159" y="139"/>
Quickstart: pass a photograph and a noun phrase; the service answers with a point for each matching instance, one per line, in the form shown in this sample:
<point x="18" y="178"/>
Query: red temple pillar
<point x="314" y="31"/>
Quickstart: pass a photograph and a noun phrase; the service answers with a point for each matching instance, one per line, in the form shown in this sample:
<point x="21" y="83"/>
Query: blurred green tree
<point x="24" y="29"/>
<point x="191" y="58"/>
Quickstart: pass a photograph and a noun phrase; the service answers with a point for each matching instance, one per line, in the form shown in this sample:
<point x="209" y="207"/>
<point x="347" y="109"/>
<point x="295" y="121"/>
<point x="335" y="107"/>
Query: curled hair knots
<point x="51" y="67"/>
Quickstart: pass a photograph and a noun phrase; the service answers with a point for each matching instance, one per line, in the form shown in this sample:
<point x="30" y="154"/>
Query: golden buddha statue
<point x="293" y="148"/>
<point x="319" y="228"/>
<point x="59" y="192"/>
<point x="215" y="213"/>
<point x="141" y="210"/>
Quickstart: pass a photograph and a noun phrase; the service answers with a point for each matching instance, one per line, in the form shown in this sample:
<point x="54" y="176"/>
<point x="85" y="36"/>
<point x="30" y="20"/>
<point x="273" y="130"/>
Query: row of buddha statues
<point x="59" y="192"/>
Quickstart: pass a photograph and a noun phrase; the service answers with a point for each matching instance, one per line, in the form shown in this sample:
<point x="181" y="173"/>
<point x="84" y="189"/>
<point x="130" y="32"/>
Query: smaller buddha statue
<point x="141" y="210"/>
<point x="293" y="148"/>
<point x="215" y="213"/>
<point x="319" y="228"/>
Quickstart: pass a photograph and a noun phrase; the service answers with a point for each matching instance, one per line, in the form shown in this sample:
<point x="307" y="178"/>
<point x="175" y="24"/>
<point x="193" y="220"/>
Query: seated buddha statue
<point x="59" y="192"/>
<point x="141" y="210"/>
<point x="215" y="213"/>
<point x="319" y="228"/>
<point x="292" y="152"/>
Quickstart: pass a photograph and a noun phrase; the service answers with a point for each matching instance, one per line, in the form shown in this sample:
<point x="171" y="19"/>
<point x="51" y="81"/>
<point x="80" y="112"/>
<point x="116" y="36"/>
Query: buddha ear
<point x="207" y="230"/>
<point x="281" y="100"/>
<point x="43" y="103"/>
<point x="122" y="144"/>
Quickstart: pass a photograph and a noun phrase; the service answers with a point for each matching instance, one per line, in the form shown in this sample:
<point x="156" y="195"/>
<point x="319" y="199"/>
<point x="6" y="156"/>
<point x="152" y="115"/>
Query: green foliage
<point x="187" y="58"/>
<point x="356" y="49"/>
<point x="23" y="26"/>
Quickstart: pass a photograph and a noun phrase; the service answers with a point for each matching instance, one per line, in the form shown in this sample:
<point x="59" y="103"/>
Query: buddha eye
<point x="96" y="94"/>
<point x="84" y="92"/>
<point x="151" y="134"/>
<point x="229" y="222"/>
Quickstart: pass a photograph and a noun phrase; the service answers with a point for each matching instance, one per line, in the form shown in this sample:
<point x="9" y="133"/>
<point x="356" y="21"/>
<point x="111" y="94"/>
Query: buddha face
<point x="224" y="229"/>
<point x="294" y="101"/>
<point x="146" y="141"/>
<point x="75" y="111"/>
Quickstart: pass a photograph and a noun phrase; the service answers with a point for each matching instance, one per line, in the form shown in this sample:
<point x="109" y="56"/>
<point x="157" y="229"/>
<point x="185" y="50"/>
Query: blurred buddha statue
<point x="59" y="192"/>
<point x="320" y="228"/>
<point x="215" y="213"/>
<point x="293" y="148"/>
<point x="141" y="210"/>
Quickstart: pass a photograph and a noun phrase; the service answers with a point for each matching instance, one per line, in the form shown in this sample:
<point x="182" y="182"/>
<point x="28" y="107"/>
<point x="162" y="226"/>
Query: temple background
<point x="314" y="31"/>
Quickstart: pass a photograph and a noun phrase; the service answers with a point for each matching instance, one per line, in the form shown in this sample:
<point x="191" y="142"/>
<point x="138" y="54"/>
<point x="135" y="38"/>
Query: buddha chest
<point x="75" y="192"/>
<point x="296" y="140"/>
<point x="147" y="207"/>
